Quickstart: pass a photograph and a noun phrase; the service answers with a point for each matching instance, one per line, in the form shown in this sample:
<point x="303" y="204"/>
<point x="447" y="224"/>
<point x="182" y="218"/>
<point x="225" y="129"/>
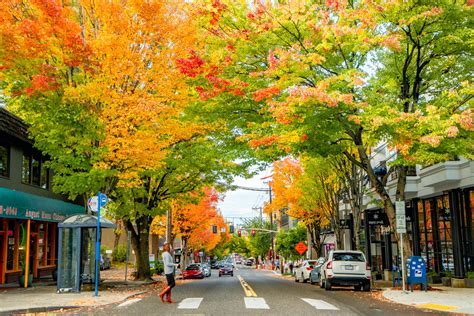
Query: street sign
<point x="301" y="247"/>
<point x="401" y="223"/>
<point x="400" y="207"/>
<point x="93" y="202"/>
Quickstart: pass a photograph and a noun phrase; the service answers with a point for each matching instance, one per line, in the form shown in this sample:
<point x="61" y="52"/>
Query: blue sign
<point x="416" y="272"/>
<point x="103" y="199"/>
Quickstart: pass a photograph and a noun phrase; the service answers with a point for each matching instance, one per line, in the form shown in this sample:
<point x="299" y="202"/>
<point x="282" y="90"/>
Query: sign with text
<point x="401" y="223"/>
<point x="301" y="247"/>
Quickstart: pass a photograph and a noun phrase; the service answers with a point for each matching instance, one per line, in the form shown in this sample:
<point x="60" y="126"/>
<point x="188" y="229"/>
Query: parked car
<point x="226" y="270"/>
<point x="193" y="271"/>
<point x="346" y="268"/>
<point x="303" y="270"/>
<point x="250" y="262"/>
<point x="206" y="268"/>
<point x="214" y="264"/>
<point x="315" y="273"/>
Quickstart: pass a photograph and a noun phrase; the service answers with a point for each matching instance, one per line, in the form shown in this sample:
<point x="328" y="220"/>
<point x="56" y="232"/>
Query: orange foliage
<point x="193" y="222"/>
<point x="115" y="58"/>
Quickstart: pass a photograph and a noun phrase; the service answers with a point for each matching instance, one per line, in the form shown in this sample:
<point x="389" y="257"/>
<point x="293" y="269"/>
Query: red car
<point x="193" y="272"/>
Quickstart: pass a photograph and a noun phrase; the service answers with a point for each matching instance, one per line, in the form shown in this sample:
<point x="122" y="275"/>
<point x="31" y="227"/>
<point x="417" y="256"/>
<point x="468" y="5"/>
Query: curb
<point x="55" y="308"/>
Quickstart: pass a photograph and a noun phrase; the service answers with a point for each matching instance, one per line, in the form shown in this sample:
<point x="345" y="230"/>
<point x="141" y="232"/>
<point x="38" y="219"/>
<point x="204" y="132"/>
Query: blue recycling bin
<point x="416" y="272"/>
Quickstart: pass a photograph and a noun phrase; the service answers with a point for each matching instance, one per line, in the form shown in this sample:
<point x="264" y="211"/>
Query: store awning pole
<point x="27" y="254"/>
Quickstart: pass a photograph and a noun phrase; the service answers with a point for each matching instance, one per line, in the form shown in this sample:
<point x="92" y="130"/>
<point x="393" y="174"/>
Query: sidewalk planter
<point x="469" y="282"/>
<point x="21" y="280"/>
<point x="434" y="279"/>
<point x="446" y="281"/>
<point x="457" y="283"/>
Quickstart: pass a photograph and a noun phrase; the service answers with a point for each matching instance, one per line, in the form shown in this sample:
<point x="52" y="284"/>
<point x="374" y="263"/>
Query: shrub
<point x="159" y="267"/>
<point x="470" y="275"/>
<point x="119" y="254"/>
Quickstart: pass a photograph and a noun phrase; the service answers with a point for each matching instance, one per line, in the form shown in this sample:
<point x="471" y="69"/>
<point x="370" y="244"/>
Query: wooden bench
<point x="46" y="270"/>
<point x="12" y="275"/>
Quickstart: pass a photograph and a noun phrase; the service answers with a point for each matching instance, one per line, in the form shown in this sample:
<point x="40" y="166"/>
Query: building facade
<point x="29" y="210"/>
<point x="440" y="218"/>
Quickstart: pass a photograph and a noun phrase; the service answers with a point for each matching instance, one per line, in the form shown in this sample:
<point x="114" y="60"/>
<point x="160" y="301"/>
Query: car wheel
<point x="232" y="275"/>
<point x="302" y="278"/>
<point x="321" y="283"/>
<point x="220" y="275"/>
<point x="357" y="287"/>
<point x="296" y="278"/>
<point x="367" y="287"/>
<point x="327" y="285"/>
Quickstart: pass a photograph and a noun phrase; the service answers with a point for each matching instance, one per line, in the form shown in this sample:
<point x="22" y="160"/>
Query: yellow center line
<point x="247" y="289"/>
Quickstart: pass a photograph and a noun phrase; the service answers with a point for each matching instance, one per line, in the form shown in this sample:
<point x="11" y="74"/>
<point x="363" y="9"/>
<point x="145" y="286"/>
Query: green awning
<point x="21" y="205"/>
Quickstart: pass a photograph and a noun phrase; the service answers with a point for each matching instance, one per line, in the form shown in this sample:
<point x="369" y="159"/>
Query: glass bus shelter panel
<point x="69" y="259"/>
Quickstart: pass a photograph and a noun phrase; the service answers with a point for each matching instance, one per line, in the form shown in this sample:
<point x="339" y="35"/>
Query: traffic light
<point x="231" y="229"/>
<point x="214" y="229"/>
<point x="253" y="232"/>
<point x="239" y="233"/>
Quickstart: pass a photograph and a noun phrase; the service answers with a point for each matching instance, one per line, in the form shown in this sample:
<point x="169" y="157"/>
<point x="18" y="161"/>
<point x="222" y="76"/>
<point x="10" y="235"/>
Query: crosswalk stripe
<point x="129" y="302"/>
<point x="190" y="303"/>
<point x="255" y="303"/>
<point x="320" y="304"/>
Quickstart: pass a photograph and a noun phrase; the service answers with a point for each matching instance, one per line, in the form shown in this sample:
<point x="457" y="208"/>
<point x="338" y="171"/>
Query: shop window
<point x="4" y="161"/>
<point x="26" y="167"/>
<point x="12" y="245"/>
<point x="34" y="171"/>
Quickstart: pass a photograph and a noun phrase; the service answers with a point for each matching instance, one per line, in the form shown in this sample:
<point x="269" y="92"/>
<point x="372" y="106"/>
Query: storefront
<point x="29" y="229"/>
<point x="444" y="237"/>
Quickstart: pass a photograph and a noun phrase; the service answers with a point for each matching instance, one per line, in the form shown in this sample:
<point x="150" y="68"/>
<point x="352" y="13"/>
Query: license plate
<point x="349" y="268"/>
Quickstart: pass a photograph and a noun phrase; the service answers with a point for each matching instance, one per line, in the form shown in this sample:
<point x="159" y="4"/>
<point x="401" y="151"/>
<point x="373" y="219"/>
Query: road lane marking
<point x="190" y="303"/>
<point x="255" y="303"/>
<point x="129" y="302"/>
<point x="247" y="289"/>
<point x="320" y="304"/>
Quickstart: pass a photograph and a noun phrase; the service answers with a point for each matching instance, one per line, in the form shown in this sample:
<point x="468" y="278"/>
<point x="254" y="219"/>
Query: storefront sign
<point x="377" y="218"/>
<point x="21" y="205"/>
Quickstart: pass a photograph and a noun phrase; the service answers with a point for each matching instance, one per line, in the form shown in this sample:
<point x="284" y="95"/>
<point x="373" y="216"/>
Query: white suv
<point x="346" y="268"/>
<point x="302" y="271"/>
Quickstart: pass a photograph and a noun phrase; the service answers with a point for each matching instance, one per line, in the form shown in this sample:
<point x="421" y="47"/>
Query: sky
<point x="239" y="203"/>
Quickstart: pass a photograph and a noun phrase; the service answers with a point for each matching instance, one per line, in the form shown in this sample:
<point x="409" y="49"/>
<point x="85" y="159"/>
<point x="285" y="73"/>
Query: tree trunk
<point x="140" y="237"/>
<point x="117" y="233"/>
<point x="314" y="230"/>
<point x="184" y="253"/>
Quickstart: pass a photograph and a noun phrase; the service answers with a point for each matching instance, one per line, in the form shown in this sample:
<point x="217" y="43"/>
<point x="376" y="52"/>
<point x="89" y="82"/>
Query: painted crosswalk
<point x="320" y="304"/>
<point x="256" y="303"/>
<point x="190" y="303"/>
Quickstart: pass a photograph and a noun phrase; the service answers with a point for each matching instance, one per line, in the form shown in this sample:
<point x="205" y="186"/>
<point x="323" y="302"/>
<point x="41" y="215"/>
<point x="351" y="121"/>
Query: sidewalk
<point x="42" y="296"/>
<point x="456" y="300"/>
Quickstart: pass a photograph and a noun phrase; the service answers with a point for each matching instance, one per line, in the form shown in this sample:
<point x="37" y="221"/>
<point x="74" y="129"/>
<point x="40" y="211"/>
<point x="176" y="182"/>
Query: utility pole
<point x="271" y="225"/>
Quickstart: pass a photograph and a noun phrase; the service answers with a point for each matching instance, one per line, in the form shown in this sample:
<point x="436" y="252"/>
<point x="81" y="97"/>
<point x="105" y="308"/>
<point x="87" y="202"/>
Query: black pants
<point x="170" y="280"/>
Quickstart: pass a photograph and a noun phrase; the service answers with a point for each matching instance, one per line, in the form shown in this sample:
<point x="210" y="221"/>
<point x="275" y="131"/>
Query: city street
<point x="275" y="295"/>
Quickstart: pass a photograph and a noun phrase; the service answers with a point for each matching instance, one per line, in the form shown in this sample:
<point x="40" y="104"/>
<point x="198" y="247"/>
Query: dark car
<point x="193" y="272"/>
<point x="226" y="270"/>
<point x="214" y="264"/>
<point x="315" y="273"/>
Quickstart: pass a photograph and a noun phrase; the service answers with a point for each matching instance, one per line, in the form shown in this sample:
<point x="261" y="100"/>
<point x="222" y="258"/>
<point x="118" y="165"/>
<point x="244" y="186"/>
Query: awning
<point x="85" y="220"/>
<point x="21" y="205"/>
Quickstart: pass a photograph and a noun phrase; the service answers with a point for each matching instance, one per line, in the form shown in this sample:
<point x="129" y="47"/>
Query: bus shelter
<point x="76" y="252"/>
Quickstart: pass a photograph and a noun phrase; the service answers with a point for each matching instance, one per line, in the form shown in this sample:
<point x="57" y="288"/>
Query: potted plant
<point x="433" y="277"/>
<point x="21" y="279"/>
<point x="446" y="278"/>
<point x="469" y="281"/>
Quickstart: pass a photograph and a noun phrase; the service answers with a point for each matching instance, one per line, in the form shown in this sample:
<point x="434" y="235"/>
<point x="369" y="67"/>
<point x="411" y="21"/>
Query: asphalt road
<point x="274" y="295"/>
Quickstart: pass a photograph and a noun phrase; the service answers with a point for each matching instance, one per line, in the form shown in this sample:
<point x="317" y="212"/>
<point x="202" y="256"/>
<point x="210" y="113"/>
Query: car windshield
<point x="347" y="256"/>
<point x="192" y="268"/>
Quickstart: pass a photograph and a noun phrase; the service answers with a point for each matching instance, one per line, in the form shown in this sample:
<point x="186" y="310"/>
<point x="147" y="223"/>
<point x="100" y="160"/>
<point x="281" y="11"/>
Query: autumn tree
<point x="306" y="69"/>
<point x="286" y="242"/>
